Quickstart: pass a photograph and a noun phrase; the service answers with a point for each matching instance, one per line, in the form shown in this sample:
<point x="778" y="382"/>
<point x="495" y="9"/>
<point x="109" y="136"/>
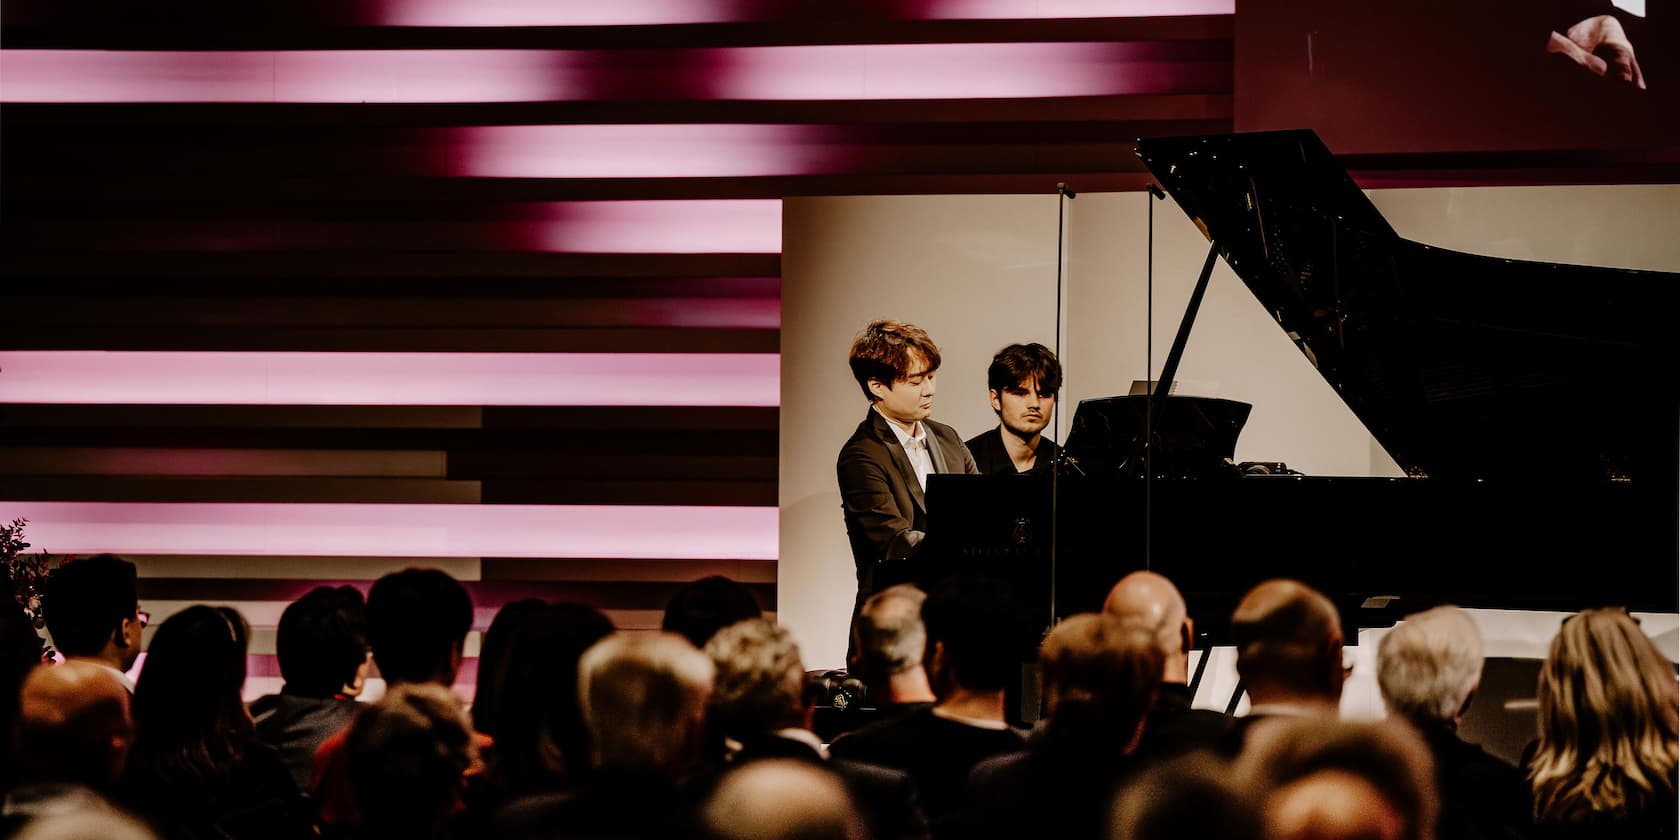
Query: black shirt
<point x="993" y="459"/>
<point x="938" y="753"/>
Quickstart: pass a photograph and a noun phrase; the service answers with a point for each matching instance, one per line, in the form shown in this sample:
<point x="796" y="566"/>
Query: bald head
<point x="780" y="799"/>
<point x="1332" y="805"/>
<point x="1289" y="644"/>
<point x="73" y="721"/>
<point x="1151" y="602"/>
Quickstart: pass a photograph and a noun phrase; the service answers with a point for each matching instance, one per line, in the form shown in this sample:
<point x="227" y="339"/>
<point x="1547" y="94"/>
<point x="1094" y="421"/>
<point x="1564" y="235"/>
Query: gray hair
<point x="1428" y="665"/>
<point x="642" y="695"/>
<point x="760" y="681"/>
<point x="890" y="630"/>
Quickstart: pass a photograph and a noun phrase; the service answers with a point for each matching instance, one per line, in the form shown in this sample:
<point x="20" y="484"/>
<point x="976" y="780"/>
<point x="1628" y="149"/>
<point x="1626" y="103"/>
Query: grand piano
<point x="1534" y="407"/>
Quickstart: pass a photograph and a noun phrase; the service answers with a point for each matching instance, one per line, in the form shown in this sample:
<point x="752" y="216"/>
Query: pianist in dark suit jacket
<point x="1022" y="382"/>
<point x="883" y="468"/>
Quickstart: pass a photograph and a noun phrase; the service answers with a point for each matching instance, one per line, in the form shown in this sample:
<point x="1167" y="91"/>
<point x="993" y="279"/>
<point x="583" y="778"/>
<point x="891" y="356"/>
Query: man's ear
<point x="997" y="401"/>
<point x="1464" y="708"/>
<point x="119" y="636"/>
<point x="1187" y="636"/>
<point x="877" y="388"/>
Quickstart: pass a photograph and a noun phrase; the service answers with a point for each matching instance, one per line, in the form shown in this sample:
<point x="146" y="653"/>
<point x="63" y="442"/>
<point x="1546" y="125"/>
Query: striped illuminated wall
<point x="313" y="292"/>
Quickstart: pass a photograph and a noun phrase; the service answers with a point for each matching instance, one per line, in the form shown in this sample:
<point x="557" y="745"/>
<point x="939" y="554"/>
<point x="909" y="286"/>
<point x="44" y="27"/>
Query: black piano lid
<point x="1461" y="366"/>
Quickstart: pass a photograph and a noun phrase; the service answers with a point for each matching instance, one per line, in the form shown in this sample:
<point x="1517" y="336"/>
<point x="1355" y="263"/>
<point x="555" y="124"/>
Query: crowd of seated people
<point x="704" y="729"/>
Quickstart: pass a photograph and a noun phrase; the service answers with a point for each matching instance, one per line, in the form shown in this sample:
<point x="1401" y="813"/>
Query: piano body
<point x="1535" y="408"/>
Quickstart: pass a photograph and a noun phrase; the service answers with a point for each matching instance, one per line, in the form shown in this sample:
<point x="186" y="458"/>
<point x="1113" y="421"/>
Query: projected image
<point x="1479" y="76"/>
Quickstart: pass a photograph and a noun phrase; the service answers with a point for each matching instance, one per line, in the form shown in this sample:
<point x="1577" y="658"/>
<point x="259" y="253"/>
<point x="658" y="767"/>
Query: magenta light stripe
<point x="667" y="12"/>
<point x="382" y="530"/>
<point x="697" y="226"/>
<point x="821" y="72"/>
<point x="227" y="378"/>
<point x="287" y="76"/>
<point x="639" y="151"/>
<point x="958" y="71"/>
<point x="1069" y="9"/>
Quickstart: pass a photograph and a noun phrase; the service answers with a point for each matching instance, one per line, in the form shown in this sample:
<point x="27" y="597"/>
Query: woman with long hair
<point x="196" y="769"/>
<point x="1605" y="763"/>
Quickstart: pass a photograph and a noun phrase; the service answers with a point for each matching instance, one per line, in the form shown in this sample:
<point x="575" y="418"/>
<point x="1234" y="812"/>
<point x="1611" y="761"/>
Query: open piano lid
<point x="1461" y="366"/>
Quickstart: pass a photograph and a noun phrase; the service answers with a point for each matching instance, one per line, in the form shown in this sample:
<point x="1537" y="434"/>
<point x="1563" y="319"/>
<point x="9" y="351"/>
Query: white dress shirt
<point x="915" y="445"/>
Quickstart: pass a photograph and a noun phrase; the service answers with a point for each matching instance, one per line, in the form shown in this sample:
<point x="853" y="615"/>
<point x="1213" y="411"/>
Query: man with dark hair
<point x="975" y="638"/>
<point x="883" y="468"/>
<point x="93" y="613"/>
<point x="323" y="652"/>
<point x="417" y="623"/>
<point x="702" y="607"/>
<point x="1022" y="381"/>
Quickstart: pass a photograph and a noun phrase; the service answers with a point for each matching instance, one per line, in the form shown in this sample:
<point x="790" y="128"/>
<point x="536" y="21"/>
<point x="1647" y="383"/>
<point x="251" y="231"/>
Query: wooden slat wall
<point x="265" y="227"/>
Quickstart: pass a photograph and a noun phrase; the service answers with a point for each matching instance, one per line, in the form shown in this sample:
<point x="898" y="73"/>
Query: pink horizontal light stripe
<point x="381" y="530"/>
<point x="287" y="76"/>
<point x="1070" y="9"/>
<point x="819" y="72"/>
<point x="638" y="151"/>
<point x="697" y="226"/>
<point x="958" y="71"/>
<point x="666" y="12"/>
<point x="227" y="378"/>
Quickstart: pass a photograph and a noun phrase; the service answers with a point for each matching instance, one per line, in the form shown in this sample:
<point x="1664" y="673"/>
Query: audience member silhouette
<point x="1323" y="779"/>
<point x="888" y="643"/>
<point x="1288" y="638"/>
<point x="702" y="607"/>
<point x="196" y="769"/>
<point x="759" y="701"/>
<point x="72" y="736"/>
<point x="417" y="623"/>
<point x="975" y="630"/>
<point x="528" y="698"/>
<point x="644" y="701"/>
<point x="406" y="756"/>
<point x="1428" y="669"/>
<point x="780" y="799"/>
<point x="323" y="651"/>
<point x="93" y="612"/>
<point x="1192" y="797"/>
<point x="1151" y="602"/>
<point x="1100" y="679"/>
<point x="1604" y="765"/>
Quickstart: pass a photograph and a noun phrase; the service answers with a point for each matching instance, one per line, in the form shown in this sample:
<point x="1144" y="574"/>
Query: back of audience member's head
<point x="760" y="683"/>
<point x="532" y="706"/>
<point x="321" y="642"/>
<point x="1189" y="798"/>
<point x="1608" y="732"/>
<point x="513" y="620"/>
<point x="1325" y="779"/>
<point x="190" y="723"/>
<point x="702" y="607"/>
<point x="73" y="726"/>
<point x="781" y="799"/>
<point x="1429" y="665"/>
<point x="94" y="823"/>
<point x="644" y="701"/>
<point x="87" y="604"/>
<point x="976" y="635"/>
<point x="405" y="757"/>
<point x="1289" y="644"/>
<point x="417" y="621"/>
<point x="1153" y="603"/>
<point x="1100" y="678"/>
<point x="890" y="636"/>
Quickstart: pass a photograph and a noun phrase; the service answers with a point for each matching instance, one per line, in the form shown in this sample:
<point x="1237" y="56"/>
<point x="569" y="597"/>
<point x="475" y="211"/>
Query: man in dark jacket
<point x="322" y="647"/>
<point x="1151" y="602"/>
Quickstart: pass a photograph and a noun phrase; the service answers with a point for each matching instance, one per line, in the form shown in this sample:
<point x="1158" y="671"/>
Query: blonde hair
<point x="1608" y="721"/>
<point x="642" y="696"/>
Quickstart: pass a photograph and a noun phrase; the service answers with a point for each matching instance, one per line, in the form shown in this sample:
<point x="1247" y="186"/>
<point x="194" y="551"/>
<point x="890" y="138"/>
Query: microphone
<point x="1066" y="190"/>
<point x="1155" y="190"/>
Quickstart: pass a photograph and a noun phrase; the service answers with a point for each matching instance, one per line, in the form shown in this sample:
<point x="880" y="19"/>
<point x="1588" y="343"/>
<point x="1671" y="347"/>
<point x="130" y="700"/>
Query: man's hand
<point x="1601" y="33"/>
